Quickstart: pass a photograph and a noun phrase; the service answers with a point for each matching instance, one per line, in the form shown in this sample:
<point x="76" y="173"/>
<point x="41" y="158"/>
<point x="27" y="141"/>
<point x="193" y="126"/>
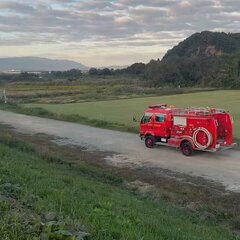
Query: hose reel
<point x="199" y="138"/>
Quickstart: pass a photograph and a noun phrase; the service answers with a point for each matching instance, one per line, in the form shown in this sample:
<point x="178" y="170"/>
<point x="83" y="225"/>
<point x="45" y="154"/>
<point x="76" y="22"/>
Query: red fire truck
<point x="205" y="129"/>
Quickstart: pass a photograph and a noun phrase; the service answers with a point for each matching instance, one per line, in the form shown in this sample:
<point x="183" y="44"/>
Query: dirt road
<point x="129" y="151"/>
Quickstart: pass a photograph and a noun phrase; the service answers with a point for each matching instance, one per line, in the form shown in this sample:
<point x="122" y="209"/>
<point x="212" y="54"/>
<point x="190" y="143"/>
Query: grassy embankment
<point x="44" y="195"/>
<point x="117" y="114"/>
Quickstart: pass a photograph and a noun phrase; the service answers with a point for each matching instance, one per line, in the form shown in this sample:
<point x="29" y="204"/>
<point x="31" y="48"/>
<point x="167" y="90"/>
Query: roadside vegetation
<point x="45" y="195"/>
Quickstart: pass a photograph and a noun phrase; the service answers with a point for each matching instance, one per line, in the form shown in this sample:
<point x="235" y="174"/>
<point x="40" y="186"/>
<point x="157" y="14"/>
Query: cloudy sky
<point x="104" y="32"/>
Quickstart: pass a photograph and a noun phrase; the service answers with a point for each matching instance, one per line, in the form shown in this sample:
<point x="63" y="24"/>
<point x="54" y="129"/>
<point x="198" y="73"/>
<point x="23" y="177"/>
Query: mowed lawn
<point x="122" y="111"/>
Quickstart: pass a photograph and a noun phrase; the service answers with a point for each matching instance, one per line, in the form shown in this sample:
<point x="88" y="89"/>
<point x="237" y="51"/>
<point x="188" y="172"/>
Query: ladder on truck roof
<point x="199" y="111"/>
<point x="158" y="106"/>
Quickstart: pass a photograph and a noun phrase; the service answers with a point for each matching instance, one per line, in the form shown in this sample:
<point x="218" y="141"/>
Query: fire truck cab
<point x="205" y="129"/>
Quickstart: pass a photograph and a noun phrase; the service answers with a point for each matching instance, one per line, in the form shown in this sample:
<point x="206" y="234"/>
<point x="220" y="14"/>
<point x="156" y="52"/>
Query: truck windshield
<point x="146" y="118"/>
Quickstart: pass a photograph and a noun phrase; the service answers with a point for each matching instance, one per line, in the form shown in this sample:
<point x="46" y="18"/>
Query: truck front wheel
<point x="186" y="149"/>
<point x="149" y="141"/>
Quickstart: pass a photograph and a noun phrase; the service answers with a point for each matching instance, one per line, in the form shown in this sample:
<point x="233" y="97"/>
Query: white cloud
<point x="92" y="25"/>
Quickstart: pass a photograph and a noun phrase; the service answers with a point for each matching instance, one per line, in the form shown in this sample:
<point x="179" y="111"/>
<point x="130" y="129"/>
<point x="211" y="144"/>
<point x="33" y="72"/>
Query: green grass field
<point x="122" y="111"/>
<point x="44" y="195"/>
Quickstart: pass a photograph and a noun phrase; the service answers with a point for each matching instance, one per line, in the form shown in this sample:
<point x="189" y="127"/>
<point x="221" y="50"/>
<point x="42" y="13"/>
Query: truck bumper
<point x="224" y="147"/>
<point x="219" y="148"/>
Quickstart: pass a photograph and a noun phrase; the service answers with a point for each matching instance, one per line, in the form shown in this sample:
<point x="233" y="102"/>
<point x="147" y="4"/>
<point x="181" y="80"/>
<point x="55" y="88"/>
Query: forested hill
<point x="206" y="44"/>
<point x="204" y="59"/>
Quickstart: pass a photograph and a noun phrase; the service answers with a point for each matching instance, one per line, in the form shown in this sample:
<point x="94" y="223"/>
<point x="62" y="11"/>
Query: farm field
<point x="122" y="111"/>
<point x="86" y="90"/>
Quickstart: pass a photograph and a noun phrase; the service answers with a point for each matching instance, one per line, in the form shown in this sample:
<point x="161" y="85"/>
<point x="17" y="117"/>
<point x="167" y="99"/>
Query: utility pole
<point x="4" y="96"/>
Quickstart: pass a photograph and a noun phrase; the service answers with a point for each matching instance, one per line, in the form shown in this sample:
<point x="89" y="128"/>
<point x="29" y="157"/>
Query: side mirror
<point x="134" y="119"/>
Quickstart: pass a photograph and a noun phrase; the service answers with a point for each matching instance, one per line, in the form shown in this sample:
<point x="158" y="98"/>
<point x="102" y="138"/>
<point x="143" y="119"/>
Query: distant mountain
<point x="38" y="64"/>
<point x="203" y="59"/>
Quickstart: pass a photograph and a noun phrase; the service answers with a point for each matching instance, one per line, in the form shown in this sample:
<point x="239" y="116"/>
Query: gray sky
<point x="104" y="33"/>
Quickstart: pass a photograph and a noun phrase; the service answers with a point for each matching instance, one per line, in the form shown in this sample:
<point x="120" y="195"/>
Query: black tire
<point x="149" y="141"/>
<point x="186" y="149"/>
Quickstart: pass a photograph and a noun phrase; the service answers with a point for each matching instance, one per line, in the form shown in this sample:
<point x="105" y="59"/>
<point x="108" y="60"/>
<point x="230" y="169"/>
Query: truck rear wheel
<point x="149" y="141"/>
<point x="186" y="149"/>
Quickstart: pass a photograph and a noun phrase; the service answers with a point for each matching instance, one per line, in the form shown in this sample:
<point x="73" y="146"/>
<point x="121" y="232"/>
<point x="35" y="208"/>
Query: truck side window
<point x="146" y="118"/>
<point x="160" y="118"/>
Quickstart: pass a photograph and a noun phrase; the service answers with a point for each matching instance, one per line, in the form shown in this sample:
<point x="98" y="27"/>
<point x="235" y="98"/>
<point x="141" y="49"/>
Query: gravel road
<point x="129" y="151"/>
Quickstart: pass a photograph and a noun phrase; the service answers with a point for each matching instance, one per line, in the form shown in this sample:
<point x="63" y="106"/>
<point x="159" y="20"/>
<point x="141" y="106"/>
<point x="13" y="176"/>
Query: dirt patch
<point x="208" y="199"/>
